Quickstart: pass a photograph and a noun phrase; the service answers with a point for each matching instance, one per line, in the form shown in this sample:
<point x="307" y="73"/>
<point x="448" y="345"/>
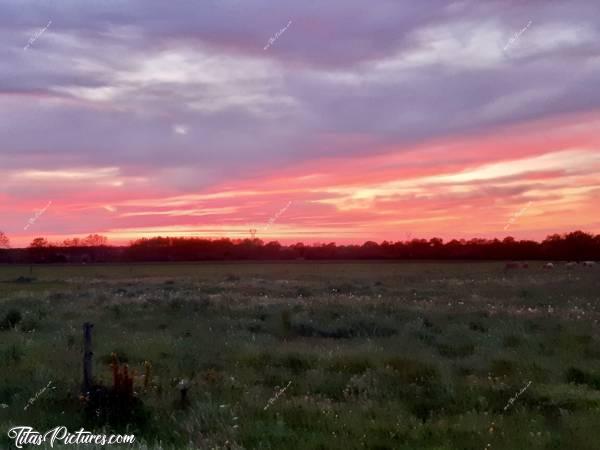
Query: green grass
<point x="379" y="355"/>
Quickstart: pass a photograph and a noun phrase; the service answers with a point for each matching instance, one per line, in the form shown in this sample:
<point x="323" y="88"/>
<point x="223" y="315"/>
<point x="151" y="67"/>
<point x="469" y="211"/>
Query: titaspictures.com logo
<point x="60" y="435"/>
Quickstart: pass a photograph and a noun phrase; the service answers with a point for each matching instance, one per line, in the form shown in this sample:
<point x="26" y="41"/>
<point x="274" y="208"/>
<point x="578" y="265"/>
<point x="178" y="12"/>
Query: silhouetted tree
<point x="75" y="242"/>
<point x="576" y="245"/>
<point x="4" y="241"/>
<point x="95" y="240"/>
<point x="39" y="242"/>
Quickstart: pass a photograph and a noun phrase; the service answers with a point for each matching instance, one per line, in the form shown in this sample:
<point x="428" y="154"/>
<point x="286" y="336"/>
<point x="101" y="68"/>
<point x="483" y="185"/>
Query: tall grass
<point x="387" y="356"/>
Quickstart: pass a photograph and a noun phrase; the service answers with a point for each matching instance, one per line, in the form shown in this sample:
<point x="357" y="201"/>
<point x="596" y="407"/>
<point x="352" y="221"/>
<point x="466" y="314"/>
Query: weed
<point x="11" y="319"/>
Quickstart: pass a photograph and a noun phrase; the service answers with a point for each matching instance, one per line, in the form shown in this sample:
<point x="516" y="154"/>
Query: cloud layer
<point x="375" y="120"/>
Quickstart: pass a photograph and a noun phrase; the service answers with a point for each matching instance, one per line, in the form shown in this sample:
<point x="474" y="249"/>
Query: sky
<point x="339" y="121"/>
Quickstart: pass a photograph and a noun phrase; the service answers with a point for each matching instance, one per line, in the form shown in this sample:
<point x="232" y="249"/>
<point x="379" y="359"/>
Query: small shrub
<point x="413" y="371"/>
<point x="22" y="279"/>
<point x="201" y="304"/>
<point x="257" y="360"/>
<point x="533" y="327"/>
<point x="424" y="401"/>
<point x="176" y="304"/>
<point x="512" y="341"/>
<point x="116" y="310"/>
<point x="456" y="351"/>
<point x="575" y="376"/>
<point x="29" y="324"/>
<point x="426" y="338"/>
<point x="343" y="329"/>
<point x="591" y="352"/>
<point x="11" y="355"/>
<point x="297" y="363"/>
<point x="212" y="376"/>
<point x="254" y="328"/>
<point x="303" y="292"/>
<point x="363" y="386"/>
<point x="432" y="327"/>
<point x="502" y="368"/>
<point x="55" y="296"/>
<point x="116" y="406"/>
<point x="344" y="288"/>
<point x="465" y="371"/>
<point x="41" y="314"/>
<point x="546" y="349"/>
<point x="12" y="318"/>
<point x="477" y="326"/>
<point x="578" y="376"/>
<point x="524" y="293"/>
<point x="286" y="323"/>
<point x="351" y="364"/>
<point x="583" y="339"/>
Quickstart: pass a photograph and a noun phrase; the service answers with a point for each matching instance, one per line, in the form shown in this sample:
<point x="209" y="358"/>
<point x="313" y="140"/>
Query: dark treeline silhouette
<point x="575" y="246"/>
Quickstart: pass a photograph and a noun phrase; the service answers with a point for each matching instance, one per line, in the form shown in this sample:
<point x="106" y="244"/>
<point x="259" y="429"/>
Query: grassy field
<point x="310" y="355"/>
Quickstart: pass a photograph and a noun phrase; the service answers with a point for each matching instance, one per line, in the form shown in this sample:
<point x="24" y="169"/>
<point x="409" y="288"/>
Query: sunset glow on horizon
<point x="149" y="121"/>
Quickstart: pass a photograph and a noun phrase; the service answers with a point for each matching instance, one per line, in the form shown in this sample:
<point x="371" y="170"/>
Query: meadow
<point x="305" y="355"/>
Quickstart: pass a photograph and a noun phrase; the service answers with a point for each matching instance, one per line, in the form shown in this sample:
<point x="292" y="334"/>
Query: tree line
<point x="574" y="246"/>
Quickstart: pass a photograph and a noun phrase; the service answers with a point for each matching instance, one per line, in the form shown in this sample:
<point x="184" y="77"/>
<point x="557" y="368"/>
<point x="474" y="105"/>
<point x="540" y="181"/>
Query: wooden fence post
<point x="87" y="356"/>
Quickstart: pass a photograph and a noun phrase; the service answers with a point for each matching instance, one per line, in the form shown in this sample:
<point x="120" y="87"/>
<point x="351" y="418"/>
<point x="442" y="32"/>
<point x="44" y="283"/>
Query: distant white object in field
<point x="549" y="266"/>
<point x="589" y="263"/>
